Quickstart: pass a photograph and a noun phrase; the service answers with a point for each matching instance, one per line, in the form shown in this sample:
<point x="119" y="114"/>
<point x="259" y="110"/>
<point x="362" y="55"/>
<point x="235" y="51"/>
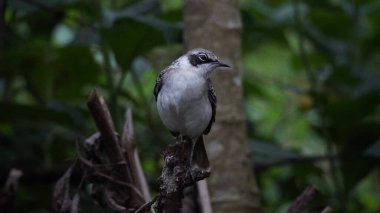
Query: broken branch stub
<point x="113" y="150"/>
<point x="175" y="177"/>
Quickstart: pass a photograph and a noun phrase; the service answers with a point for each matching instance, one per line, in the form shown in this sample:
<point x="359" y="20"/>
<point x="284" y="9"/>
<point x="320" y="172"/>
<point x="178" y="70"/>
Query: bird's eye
<point x="202" y="57"/>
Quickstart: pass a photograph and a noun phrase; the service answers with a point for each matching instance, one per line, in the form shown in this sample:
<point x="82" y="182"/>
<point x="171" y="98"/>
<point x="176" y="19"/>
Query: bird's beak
<point x="221" y="64"/>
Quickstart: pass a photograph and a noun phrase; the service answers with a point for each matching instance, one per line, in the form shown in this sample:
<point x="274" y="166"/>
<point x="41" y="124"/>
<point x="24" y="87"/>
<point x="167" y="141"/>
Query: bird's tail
<point x="200" y="158"/>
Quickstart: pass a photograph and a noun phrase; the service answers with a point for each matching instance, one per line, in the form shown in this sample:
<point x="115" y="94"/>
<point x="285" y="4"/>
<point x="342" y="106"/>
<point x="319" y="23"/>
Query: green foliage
<point x="317" y="93"/>
<point x="55" y="53"/>
<point x="123" y="40"/>
<point x="311" y="88"/>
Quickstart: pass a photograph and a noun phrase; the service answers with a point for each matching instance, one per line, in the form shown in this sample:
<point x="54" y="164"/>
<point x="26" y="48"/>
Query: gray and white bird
<point x="186" y="100"/>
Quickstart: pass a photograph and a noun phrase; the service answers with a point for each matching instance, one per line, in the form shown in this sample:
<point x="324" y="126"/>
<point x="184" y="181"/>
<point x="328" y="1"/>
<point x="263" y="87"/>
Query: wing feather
<point x="213" y="101"/>
<point x="159" y="83"/>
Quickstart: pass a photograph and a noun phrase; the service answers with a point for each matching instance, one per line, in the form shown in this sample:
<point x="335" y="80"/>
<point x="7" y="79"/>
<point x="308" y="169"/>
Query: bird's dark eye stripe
<point x="198" y="59"/>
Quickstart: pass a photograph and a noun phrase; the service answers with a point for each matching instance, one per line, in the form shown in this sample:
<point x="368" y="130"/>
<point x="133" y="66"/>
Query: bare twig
<point x="111" y="145"/>
<point x="204" y="196"/>
<point x="262" y="165"/>
<point x="146" y="207"/>
<point x="110" y="178"/>
<point x="103" y="121"/>
<point x="327" y="209"/>
<point x="62" y="201"/>
<point x="113" y="167"/>
<point x="302" y="200"/>
<point x="116" y="183"/>
<point x="8" y="193"/>
<point x="129" y="143"/>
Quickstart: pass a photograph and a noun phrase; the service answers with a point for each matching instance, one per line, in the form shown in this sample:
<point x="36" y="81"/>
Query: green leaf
<point x="129" y="38"/>
<point x="357" y="154"/>
<point x="36" y="115"/>
<point x="74" y="69"/>
<point x="355" y="170"/>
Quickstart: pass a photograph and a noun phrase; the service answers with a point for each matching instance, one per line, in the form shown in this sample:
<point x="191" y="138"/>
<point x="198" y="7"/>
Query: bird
<point x="186" y="100"/>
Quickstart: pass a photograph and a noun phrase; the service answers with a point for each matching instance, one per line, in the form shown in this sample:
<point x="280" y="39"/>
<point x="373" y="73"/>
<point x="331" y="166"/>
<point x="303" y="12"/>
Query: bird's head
<point x="203" y="61"/>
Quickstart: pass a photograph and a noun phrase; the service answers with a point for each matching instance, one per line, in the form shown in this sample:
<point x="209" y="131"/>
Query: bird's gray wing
<point x="159" y="82"/>
<point x="157" y="89"/>
<point x="213" y="100"/>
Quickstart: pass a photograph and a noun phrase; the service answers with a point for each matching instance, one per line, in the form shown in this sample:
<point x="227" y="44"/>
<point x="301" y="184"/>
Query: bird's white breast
<point x="183" y="103"/>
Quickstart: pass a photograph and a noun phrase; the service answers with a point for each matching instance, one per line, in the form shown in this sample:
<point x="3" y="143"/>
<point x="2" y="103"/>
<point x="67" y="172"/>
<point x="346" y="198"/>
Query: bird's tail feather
<point x="200" y="158"/>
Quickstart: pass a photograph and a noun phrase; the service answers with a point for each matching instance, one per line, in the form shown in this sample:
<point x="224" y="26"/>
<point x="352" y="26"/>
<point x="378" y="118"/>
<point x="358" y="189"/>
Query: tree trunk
<point x="216" y="25"/>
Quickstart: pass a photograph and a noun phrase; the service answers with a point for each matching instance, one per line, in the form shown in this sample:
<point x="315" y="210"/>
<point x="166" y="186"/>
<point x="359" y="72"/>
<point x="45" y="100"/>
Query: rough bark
<point x="216" y="25"/>
<point x="175" y="177"/>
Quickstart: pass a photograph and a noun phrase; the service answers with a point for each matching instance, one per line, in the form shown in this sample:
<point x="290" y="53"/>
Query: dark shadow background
<point x="311" y="86"/>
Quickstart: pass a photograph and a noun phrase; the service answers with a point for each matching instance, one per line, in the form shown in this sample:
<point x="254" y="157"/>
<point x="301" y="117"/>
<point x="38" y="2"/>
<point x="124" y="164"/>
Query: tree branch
<point x="128" y="141"/>
<point x="327" y="209"/>
<point x="103" y="121"/>
<point x="175" y="177"/>
<point x="112" y="147"/>
<point x="8" y="193"/>
<point x="146" y="207"/>
<point x="263" y="165"/>
<point x="112" y="166"/>
<point x="302" y="200"/>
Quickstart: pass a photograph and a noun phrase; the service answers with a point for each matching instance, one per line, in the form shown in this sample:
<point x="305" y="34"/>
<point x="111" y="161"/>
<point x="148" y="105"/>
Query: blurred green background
<point x="311" y="90"/>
